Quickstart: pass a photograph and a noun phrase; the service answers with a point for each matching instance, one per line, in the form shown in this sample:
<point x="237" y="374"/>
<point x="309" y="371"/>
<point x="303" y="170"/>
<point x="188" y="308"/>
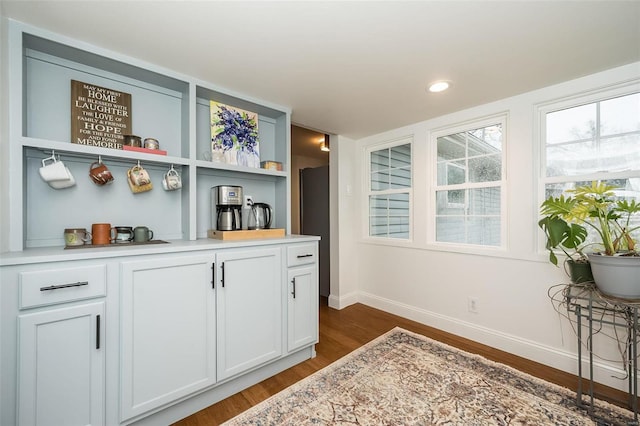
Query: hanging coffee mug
<point x="172" y="180"/>
<point x="139" y="180"/>
<point x="99" y="173"/>
<point x="55" y="173"/>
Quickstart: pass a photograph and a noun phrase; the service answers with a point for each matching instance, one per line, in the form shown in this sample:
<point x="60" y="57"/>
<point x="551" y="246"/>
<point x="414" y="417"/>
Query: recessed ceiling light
<point x="439" y="86"/>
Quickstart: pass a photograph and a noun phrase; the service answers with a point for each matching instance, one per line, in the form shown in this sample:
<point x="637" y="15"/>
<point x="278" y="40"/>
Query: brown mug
<point x="99" y="173"/>
<point x="101" y="233"/>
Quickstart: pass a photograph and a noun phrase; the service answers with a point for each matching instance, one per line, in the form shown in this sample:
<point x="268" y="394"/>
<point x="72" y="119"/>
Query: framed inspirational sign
<point x="99" y="116"/>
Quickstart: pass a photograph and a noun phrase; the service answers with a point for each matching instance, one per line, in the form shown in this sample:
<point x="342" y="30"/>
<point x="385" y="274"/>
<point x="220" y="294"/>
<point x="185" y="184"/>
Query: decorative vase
<point x="248" y="159"/>
<point x="617" y="276"/>
<point x="243" y="158"/>
<point x="579" y="272"/>
<point x="231" y="156"/>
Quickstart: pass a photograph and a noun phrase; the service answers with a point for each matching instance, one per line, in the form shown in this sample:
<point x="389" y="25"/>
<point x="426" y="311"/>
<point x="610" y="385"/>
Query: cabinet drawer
<point x="48" y="287"/>
<point x="302" y="254"/>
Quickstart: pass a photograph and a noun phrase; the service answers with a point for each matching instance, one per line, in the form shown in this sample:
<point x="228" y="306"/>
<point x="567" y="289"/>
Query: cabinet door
<point x="61" y="366"/>
<point x="168" y="329"/>
<point x="302" y="318"/>
<point x="249" y="309"/>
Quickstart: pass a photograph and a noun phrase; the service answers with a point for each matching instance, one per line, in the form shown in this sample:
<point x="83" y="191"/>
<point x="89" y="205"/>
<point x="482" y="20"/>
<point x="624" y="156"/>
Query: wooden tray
<point x="245" y="234"/>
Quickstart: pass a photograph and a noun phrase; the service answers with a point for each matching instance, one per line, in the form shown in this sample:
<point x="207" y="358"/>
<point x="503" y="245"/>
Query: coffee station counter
<point x="58" y="254"/>
<point x="243" y="311"/>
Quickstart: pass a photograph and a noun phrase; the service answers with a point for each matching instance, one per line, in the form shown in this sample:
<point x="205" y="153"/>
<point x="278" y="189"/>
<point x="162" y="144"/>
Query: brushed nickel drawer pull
<point x="57" y="287"/>
<point x="304" y="255"/>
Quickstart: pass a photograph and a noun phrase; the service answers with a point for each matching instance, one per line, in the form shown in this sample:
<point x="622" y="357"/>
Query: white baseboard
<point x="552" y="357"/>
<point x="341" y="302"/>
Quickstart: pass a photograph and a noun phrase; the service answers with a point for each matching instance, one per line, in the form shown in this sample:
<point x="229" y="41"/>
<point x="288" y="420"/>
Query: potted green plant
<point x="569" y="238"/>
<point x="616" y="269"/>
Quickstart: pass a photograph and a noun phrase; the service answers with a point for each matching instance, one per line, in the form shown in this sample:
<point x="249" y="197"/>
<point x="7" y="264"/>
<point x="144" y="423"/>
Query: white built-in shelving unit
<point x="166" y="105"/>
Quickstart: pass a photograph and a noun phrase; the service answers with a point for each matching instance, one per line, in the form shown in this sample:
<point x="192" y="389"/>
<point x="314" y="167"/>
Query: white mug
<point x="56" y="174"/>
<point x="53" y="170"/>
<point x="172" y="180"/>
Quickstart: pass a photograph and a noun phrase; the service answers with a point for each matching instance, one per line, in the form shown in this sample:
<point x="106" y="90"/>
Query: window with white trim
<point x="591" y="139"/>
<point x="469" y="184"/>
<point x="389" y="191"/>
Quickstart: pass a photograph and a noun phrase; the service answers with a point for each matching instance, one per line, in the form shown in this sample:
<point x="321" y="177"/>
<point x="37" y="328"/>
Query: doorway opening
<point x="310" y="193"/>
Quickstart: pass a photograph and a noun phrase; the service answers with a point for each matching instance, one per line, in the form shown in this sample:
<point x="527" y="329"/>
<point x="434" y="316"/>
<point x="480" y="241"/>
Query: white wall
<point x="342" y="200"/>
<point x="432" y="286"/>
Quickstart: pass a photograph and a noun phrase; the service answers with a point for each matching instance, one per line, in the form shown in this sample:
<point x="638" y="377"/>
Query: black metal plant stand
<point x="592" y="307"/>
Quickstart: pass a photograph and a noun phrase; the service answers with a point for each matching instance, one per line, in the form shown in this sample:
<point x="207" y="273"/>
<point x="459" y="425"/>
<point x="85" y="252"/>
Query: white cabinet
<point x="303" y="295"/>
<point x="249" y="308"/>
<point x="152" y="338"/>
<point x="61" y="366"/>
<point x="167" y="331"/>
<point x="55" y="324"/>
<point x="302" y="307"/>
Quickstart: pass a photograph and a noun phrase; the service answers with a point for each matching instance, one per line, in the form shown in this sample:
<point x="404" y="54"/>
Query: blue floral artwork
<point x="234" y="135"/>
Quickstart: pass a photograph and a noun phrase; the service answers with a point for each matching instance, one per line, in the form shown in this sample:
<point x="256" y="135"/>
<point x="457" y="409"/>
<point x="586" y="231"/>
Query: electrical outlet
<point x="248" y="201"/>
<point x="472" y="305"/>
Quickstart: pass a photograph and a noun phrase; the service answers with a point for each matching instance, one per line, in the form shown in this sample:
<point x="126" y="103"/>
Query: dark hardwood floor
<point x="342" y="331"/>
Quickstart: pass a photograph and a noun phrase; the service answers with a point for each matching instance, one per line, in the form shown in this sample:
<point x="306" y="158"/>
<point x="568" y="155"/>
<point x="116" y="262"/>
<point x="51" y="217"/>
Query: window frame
<point x="496" y="119"/>
<point x="540" y="154"/>
<point x="568" y="103"/>
<point x="367" y="152"/>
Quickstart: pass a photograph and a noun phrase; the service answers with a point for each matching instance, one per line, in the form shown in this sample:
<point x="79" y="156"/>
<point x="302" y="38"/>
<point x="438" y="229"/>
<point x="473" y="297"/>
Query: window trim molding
<point x="366" y="212"/>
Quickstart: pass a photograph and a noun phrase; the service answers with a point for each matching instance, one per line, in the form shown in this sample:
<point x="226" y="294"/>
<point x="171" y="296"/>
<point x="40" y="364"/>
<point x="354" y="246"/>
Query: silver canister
<point x="151" y="143"/>
<point x="132" y="140"/>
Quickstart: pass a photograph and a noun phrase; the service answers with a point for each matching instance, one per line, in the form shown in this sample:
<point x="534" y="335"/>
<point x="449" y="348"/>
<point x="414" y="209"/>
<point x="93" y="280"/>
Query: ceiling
<point x="358" y="68"/>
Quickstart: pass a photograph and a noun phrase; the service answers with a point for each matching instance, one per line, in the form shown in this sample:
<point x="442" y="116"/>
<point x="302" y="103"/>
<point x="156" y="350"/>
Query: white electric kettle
<point x="260" y="216"/>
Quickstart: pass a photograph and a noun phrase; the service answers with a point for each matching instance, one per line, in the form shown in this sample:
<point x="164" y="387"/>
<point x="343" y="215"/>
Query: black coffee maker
<point x="227" y="203"/>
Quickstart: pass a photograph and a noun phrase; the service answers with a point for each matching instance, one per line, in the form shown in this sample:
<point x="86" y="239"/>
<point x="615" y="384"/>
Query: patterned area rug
<point x="402" y="378"/>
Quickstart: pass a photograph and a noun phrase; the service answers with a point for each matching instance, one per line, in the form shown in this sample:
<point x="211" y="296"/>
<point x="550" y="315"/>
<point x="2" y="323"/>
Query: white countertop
<point x="57" y="254"/>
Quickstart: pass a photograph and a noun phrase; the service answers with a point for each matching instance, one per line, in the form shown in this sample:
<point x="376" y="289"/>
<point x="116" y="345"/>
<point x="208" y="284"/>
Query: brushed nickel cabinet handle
<point x="57" y="287"/>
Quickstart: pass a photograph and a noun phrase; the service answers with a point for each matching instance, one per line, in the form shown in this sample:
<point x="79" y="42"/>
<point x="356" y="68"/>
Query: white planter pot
<point x="617" y="276"/>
